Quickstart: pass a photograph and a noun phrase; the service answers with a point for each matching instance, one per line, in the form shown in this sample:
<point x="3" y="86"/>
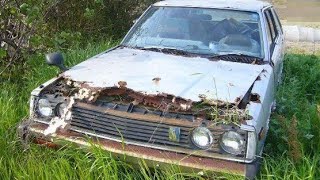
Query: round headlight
<point x="202" y="138"/>
<point x="61" y="109"/>
<point x="232" y="142"/>
<point x="44" y="108"/>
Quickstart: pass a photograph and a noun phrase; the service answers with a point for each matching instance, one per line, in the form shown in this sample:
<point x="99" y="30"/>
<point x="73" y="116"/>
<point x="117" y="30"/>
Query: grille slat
<point x="137" y="138"/>
<point x="106" y="117"/>
<point x="126" y="128"/>
<point x="100" y="123"/>
<point x="107" y="121"/>
<point x="121" y="132"/>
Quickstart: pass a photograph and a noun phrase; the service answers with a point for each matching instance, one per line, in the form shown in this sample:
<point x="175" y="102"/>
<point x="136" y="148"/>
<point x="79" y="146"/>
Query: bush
<point x="31" y="26"/>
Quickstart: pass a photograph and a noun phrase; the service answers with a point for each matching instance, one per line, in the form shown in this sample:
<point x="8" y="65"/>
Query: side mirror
<point x="56" y="59"/>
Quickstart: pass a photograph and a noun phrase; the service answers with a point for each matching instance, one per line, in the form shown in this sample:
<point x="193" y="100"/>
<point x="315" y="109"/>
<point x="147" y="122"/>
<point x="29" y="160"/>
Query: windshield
<point x="200" y="31"/>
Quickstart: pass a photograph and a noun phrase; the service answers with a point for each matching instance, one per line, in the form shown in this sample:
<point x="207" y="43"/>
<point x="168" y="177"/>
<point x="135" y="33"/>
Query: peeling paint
<point x="122" y="84"/>
<point x="255" y="98"/>
<point x="218" y="80"/>
<point x="55" y="123"/>
<point x="60" y="122"/>
<point x="156" y="80"/>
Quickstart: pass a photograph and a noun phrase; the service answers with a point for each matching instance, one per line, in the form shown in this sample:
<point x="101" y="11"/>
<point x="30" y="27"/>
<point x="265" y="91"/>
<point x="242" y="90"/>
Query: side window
<point x="272" y="29"/>
<point x="272" y="25"/>
<point x="276" y="17"/>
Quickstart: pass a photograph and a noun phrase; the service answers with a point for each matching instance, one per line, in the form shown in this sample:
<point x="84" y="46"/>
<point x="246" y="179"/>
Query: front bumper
<point x="134" y="153"/>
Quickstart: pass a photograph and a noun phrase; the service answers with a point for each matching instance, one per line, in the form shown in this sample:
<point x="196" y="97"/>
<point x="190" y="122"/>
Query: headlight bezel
<point x="210" y="138"/>
<point x="57" y="109"/>
<point x="230" y="150"/>
<point x="55" y="103"/>
<point x="38" y="110"/>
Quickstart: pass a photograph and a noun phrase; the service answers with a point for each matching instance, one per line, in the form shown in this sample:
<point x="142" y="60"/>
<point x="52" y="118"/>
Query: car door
<point x="275" y="48"/>
<point x="276" y="42"/>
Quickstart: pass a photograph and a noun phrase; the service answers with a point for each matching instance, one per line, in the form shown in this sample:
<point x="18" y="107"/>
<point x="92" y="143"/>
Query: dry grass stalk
<point x="293" y="141"/>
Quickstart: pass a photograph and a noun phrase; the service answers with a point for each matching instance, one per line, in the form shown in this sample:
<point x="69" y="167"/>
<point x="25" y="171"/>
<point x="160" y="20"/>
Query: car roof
<point x="246" y="5"/>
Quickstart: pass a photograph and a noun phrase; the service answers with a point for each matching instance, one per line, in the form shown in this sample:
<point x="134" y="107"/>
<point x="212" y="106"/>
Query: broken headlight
<point x="45" y="108"/>
<point x="60" y="109"/>
<point x="232" y="142"/>
<point x="202" y="138"/>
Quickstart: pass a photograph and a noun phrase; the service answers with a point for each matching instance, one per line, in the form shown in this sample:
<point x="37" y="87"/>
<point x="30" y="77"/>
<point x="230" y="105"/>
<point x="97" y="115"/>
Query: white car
<point x="192" y="84"/>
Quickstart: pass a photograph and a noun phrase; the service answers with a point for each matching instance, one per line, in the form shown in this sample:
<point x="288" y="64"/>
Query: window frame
<point x="273" y="30"/>
<point x="277" y="20"/>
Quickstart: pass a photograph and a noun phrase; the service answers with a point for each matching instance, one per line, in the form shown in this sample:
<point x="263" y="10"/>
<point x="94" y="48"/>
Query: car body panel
<point x="245" y="5"/>
<point x="135" y="153"/>
<point x="185" y="77"/>
<point x="194" y="79"/>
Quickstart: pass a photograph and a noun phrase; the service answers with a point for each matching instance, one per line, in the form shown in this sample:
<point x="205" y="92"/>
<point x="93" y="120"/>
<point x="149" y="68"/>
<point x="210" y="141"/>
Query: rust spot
<point x="122" y="84"/>
<point x="255" y="98"/>
<point x="262" y="133"/>
<point x="120" y="94"/>
<point x="238" y="100"/>
<point x="46" y="143"/>
<point x="164" y="102"/>
<point x="156" y="80"/>
<point x="258" y="78"/>
<point x="202" y="96"/>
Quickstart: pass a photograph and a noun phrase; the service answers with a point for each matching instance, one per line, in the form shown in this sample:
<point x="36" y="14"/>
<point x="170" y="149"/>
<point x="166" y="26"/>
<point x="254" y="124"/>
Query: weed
<point x="294" y="145"/>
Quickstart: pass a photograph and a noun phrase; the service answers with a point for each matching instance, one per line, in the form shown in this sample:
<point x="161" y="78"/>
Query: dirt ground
<point x="303" y="48"/>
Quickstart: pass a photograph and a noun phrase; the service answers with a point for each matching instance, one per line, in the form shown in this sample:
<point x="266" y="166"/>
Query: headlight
<point x="232" y="143"/>
<point x="44" y="108"/>
<point x="60" y="109"/>
<point x="202" y="138"/>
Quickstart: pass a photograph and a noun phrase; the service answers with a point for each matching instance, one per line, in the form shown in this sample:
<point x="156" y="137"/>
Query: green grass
<point x="292" y="148"/>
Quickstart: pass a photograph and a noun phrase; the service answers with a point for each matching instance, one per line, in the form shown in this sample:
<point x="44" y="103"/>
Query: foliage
<point x="298" y="98"/>
<point x="37" y="26"/>
<point x="95" y="17"/>
<point x="293" y="142"/>
<point x="20" y="30"/>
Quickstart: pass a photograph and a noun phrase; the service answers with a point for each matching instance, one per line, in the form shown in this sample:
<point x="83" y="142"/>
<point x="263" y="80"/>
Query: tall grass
<point x="293" y="143"/>
<point x="297" y="120"/>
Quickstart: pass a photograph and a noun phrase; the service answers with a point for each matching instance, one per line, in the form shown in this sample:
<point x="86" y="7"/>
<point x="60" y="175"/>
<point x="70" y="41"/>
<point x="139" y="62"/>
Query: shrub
<point x="31" y="26"/>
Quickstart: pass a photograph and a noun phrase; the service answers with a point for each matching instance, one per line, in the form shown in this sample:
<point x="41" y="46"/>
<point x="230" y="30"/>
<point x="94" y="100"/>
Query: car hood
<point x="153" y="73"/>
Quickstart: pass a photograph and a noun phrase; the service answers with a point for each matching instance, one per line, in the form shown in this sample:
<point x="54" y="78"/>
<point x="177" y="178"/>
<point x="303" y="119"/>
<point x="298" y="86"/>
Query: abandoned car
<point x="192" y="84"/>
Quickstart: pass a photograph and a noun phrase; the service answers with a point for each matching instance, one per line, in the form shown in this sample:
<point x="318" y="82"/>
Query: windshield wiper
<point x="238" y="57"/>
<point x="173" y="51"/>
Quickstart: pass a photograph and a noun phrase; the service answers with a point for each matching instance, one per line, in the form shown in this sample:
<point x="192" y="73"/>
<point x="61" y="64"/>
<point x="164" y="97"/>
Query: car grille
<point x="93" y="121"/>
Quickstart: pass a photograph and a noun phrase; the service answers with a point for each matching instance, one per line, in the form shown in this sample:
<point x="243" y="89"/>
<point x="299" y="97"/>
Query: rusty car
<point x="192" y="84"/>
